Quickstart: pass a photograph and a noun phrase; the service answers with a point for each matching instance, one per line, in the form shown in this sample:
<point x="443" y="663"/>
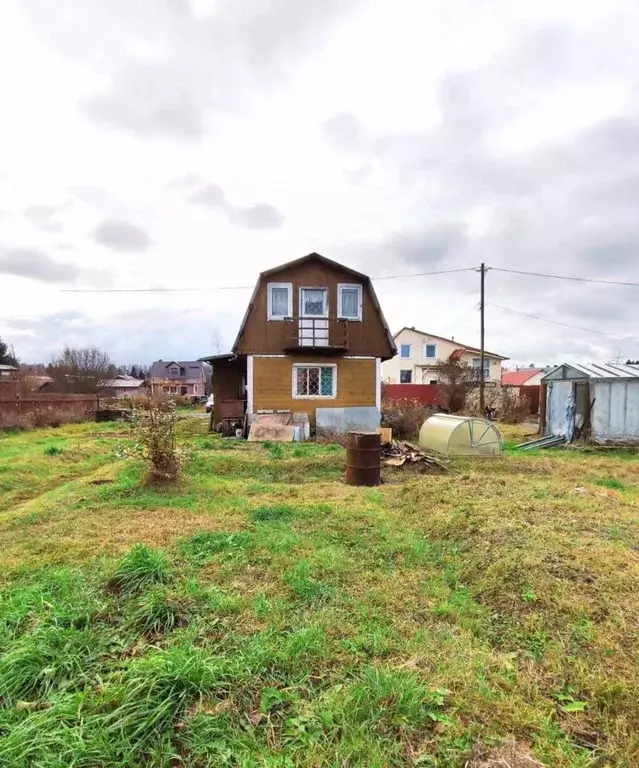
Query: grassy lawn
<point x="263" y="613"/>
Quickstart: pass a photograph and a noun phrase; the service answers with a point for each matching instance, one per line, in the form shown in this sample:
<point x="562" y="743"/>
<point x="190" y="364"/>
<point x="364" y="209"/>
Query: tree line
<point x="76" y="369"/>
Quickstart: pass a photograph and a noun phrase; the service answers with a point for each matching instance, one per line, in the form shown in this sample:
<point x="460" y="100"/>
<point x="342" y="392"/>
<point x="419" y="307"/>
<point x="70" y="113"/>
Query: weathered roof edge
<point x="594" y="371"/>
<point x="324" y="260"/>
<point x="452" y="341"/>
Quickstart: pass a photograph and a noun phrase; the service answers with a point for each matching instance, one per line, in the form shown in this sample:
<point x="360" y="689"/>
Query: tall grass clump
<point x="159" y="688"/>
<point x="139" y="569"/>
<point x="49" y="659"/>
<point x="159" y="611"/>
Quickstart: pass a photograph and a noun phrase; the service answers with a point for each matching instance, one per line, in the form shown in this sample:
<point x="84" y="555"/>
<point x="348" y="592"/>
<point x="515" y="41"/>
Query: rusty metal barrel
<point x="363" y="458"/>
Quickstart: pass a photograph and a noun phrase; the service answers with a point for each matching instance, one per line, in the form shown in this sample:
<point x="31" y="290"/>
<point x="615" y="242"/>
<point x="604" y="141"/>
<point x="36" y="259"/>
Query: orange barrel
<point x="363" y="458"/>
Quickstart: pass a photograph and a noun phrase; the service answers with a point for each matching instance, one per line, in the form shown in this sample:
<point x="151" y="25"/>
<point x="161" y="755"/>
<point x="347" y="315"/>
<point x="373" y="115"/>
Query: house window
<point x="174" y="390"/>
<point x="477" y="367"/>
<point x="349" y="301"/>
<point x="174" y="370"/>
<point x="405" y="350"/>
<point x="405" y="377"/>
<point x="280" y="301"/>
<point x="314" y="380"/>
<point x="430" y="350"/>
<point x="433" y="381"/>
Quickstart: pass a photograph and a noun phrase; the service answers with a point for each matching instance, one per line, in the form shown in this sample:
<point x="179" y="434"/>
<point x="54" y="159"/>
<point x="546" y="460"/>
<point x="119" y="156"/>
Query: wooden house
<point x="313" y="335"/>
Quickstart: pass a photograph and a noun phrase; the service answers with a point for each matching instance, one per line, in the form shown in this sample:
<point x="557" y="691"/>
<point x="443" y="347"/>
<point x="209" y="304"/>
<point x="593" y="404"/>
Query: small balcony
<point x="321" y="335"/>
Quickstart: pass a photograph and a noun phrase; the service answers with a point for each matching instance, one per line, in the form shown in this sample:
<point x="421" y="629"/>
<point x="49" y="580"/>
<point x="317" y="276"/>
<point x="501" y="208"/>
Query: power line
<point x="243" y="287"/>
<point x="423" y="274"/>
<point x="565" y="277"/>
<point x="564" y="325"/>
<point x="157" y="290"/>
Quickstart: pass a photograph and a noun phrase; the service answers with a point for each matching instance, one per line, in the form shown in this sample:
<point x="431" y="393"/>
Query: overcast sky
<point x="194" y="143"/>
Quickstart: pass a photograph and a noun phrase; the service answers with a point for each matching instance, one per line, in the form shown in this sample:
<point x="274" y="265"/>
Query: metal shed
<point x="596" y="401"/>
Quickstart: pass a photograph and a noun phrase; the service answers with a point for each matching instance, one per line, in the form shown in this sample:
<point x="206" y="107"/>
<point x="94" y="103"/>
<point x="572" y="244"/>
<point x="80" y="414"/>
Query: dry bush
<point x="154" y="420"/>
<point x="509" y="404"/>
<point x="405" y="417"/>
<point x="456" y="381"/>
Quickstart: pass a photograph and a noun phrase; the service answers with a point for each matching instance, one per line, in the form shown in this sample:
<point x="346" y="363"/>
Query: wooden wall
<point x="263" y="336"/>
<point x="227" y="376"/>
<point x="273" y="384"/>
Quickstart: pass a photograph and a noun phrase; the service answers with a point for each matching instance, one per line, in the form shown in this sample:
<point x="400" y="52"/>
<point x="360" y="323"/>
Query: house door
<point x="313" y="327"/>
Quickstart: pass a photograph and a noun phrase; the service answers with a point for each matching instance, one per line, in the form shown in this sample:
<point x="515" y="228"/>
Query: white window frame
<point x="289" y="288"/>
<point x="430" y="344"/>
<point x="410" y="352"/>
<point x="406" y="370"/>
<point x="295" y="366"/>
<point x="476" y="366"/>
<point x="350" y="286"/>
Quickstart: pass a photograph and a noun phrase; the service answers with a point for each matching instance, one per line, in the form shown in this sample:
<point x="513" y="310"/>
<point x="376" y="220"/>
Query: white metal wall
<point x="560" y="409"/>
<point x="615" y="416"/>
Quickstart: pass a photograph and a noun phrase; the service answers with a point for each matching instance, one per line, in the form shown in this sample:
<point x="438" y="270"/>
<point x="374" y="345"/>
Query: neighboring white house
<point x="420" y="354"/>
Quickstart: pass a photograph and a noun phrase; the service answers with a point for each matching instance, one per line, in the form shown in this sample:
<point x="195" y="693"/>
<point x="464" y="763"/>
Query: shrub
<point x="405" y="417"/>
<point x="154" y="422"/>
<point x="456" y="382"/>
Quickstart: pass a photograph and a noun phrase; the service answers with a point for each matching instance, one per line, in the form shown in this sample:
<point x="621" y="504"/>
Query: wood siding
<point x="226" y="383"/>
<point x="268" y="337"/>
<point x="273" y="384"/>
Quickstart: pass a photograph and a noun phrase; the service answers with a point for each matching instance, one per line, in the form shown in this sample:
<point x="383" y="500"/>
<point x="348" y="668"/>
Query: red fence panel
<point x="532" y="393"/>
<point x="426" y="394"/>
<point x="43" y="409"/>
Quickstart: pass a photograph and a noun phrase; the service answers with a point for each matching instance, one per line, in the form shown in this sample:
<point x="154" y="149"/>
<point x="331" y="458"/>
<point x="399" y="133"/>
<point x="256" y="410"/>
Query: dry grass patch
<point x="483" y="616"/>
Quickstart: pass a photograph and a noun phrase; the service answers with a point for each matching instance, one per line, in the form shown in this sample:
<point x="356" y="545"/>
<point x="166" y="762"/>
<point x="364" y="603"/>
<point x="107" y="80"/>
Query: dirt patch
<point x="510" y="755"/>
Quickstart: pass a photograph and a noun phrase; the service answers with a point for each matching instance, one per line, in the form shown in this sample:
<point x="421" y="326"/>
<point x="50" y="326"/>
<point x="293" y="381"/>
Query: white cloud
<point x="397" y="137"/>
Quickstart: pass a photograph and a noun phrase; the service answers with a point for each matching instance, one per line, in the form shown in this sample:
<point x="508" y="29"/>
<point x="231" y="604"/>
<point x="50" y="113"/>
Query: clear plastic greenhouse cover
<point x="461" y="436"/>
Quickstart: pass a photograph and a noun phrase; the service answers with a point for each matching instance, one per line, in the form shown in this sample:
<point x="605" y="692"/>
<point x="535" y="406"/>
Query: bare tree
<point x="7" y="355"/>
<point x="456" y="379"/>
<point x="217" y="342"/>
<point x="80" y="369"/>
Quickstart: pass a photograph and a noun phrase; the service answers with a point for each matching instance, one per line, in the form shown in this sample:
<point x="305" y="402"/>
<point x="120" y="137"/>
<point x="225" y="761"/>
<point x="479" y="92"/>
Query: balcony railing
<point x="315" y="334"/>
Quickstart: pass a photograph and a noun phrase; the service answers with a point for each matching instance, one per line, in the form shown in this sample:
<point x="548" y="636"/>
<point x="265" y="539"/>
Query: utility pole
<point x="482" y="305"/>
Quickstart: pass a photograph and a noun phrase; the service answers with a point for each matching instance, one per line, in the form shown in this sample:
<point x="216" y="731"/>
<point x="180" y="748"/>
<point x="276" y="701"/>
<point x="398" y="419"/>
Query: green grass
<point x="263" y="613"/>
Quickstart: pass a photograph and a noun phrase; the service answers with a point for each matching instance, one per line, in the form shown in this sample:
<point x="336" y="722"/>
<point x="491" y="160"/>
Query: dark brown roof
<point x="328" y="262"/>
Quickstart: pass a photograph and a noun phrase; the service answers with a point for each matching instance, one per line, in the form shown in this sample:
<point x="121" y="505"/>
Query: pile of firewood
<point x="397" y="453"/>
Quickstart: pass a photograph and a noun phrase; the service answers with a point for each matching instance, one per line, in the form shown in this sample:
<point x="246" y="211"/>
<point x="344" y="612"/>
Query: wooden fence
<point x="46" y="409"/>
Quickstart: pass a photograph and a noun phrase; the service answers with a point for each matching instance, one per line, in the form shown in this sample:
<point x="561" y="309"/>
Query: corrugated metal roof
<point x="597" y="371"/>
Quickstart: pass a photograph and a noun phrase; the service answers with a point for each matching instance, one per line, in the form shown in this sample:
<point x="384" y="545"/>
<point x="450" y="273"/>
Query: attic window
<point x="280" y="300"/>
<point x="349" y="301"/>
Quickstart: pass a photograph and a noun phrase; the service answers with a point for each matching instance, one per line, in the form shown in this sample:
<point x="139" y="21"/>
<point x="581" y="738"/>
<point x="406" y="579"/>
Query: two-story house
<point x="185" y="378"/>
<point x="313" y="336"/>
<point x="421" y="355"/>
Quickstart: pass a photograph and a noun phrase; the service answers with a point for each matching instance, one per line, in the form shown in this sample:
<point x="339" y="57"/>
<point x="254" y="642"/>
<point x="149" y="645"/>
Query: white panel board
<point x="560" y="409"/>
<point x="615" y="416"/>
